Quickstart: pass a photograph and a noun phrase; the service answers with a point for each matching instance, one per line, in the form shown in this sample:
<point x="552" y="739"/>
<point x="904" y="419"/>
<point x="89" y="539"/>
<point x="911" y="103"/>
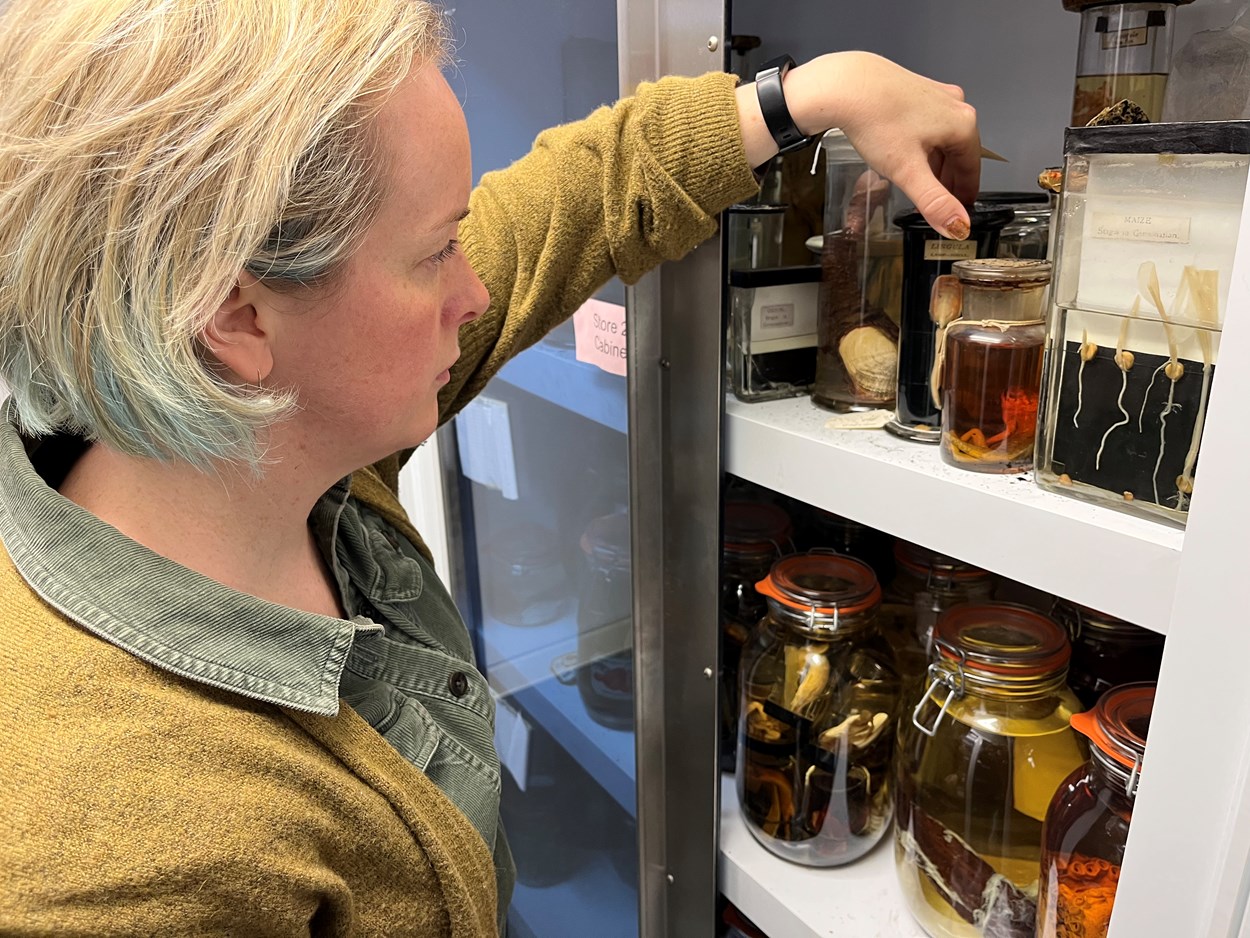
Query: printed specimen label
<point x="950" y="250"/>
<point x="1122" y="39"/>
<point x="1159" y="229"/>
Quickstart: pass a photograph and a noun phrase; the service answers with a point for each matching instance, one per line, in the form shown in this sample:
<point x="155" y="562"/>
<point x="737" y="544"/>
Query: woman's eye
<point x="446" y="253"/>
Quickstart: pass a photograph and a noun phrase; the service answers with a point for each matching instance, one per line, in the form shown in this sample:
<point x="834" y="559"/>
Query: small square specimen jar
<point x="1147" y="228"/>
<point x="772" y="331"/>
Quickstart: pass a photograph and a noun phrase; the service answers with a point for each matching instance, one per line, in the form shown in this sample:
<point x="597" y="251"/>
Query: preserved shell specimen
<point x="871" y="361"/>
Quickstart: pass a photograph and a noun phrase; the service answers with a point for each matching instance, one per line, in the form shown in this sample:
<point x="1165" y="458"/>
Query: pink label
<point x="600" y="331"/>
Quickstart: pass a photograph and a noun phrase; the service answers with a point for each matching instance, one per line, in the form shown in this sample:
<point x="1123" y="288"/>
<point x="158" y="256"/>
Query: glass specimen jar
<point x="1088" y="820"/>
<point x="1027" y="235"/>
<point x="817" y="529"/>
<point x="1124" y="52"/>
<point x="979" y="760"/>
<point x="861" y="282"/>
<point x="990" y="368"/>
<point x="605" y="623"/>
<point x="1146" y="234"/>
<point x="755" y="535"/>
<point x="525" y="581"/>
<point x="772" y="331"/>
<point x="925" y="585"/>
<point x="755" y="232"/>
<point x="817" y="722"/>
<point x="1106" y="651"/>
<point x="926" y="257"/>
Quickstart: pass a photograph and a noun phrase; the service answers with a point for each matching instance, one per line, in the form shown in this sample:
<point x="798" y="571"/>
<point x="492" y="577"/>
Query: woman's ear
<point x="237" y="335"/>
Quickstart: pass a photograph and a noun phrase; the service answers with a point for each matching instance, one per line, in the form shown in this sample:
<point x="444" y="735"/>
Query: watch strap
<point x="772" y="98"/>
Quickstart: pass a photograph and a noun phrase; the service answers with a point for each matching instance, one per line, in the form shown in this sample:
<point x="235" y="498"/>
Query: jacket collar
<point x="159" y="610"/>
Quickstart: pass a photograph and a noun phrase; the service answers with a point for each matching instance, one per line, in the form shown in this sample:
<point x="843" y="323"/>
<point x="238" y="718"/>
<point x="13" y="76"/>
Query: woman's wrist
<point x="812" y="106"/>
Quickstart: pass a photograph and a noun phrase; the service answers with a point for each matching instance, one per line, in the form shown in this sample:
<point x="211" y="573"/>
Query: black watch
<point x="773" y="103"/>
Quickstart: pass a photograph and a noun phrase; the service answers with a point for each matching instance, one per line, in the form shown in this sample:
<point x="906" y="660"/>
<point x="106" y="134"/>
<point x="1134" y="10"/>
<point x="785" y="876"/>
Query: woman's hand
<point x="917" y="132"/>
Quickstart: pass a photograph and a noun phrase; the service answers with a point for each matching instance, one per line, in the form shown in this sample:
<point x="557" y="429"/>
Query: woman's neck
<point x="248" y="534"/>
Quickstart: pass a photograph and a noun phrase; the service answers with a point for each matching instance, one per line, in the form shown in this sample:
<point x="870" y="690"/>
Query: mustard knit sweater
<point x="134" y="802"/>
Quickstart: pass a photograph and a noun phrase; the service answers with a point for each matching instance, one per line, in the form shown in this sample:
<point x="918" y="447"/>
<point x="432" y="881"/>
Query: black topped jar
<point x="927" y="256"/>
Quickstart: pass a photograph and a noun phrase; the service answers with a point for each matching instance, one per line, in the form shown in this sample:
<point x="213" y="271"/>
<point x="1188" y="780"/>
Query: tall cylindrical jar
<point x="1088" y="820"/>
<point x="817" y="722"/>
<point x="979" y="761"/>
<point x="990" y="363"/>
<point x="861" y="279"/>
<point x="756" y="534"/>
<point x="1106" y="651"/>
<point x="1125" y="50"/>
<point x="926" y="257"/>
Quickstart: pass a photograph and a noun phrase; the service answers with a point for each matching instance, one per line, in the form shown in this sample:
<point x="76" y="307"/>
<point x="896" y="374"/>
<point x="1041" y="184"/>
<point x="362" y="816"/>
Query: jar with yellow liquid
<point x="979" y="760"/>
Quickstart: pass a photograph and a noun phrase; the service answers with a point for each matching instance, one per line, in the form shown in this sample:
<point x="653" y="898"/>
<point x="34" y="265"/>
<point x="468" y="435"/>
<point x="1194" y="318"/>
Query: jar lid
<point x="1119" y="722"/>
<point x="753" y="526"/>
<point x="756" y="208"/>
<point x="1078" y="618"/>
<point x="606" y="540"/>
<point x="824" y="584"/>
<point x="981" y="219"/>
<point x="923" y="562"/>
<point x="1077" y="6"/>
<point x="995" y="199"/>
<point x="1002" y="638"/>
<point x="1002" y="270"/>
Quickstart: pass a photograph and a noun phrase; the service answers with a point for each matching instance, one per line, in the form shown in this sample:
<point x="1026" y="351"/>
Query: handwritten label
<point x="777" y="316"/>
<point x="1159" y="229"/>
<point x="1122" y="39"/>
<point x="782" y="317"/>
<point x="599" y="331"/>
<point x="950" y="250"/>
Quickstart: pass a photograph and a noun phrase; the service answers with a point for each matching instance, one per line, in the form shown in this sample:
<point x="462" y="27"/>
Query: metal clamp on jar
<point x="816" y="731"/>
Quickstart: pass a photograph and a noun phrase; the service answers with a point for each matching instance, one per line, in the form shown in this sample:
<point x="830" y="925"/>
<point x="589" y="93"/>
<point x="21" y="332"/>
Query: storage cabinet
<point x="1188" y="858"/>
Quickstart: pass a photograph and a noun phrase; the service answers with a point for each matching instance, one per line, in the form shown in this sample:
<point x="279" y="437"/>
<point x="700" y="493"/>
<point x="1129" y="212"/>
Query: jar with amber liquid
<point x="979" y="761"/>
<point x="990" y="368"/>
<point x="1088" y="819"/>
<point x="1106" y="651"/>
<point x="755" y="535"/>
<point x="817" y="722"/>
<point x="925" y="585"/>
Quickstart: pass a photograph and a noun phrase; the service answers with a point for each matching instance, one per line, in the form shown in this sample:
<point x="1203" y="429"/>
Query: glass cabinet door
<point x="543" y="500"/>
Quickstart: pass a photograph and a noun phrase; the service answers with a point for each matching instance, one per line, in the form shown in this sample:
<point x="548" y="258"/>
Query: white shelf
<point x="785" y="900"/>
<point x="1112" y="561"/>
<point x="519" y="662"/>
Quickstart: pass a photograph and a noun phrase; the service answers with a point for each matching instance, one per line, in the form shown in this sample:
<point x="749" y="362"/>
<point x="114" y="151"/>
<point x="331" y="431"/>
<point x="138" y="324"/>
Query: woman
<point x="239" y="261"/>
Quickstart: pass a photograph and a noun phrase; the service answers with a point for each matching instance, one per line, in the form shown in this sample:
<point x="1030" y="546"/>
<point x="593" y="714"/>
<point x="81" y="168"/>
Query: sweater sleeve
<point x="616" y="194"/>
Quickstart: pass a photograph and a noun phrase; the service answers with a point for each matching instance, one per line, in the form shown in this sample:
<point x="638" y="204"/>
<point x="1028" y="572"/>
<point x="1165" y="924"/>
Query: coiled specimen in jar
<point x="819" y="694"/>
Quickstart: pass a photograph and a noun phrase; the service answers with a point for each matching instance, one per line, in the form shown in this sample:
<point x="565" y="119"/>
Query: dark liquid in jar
<point x="989" y="412"/>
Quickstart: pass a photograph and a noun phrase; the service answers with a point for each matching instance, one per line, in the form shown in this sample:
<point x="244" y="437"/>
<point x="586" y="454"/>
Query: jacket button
<point x="458" y="684"/>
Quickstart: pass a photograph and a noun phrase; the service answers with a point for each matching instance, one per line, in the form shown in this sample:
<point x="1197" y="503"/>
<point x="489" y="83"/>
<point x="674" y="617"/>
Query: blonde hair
<point x="150" y="152"/>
